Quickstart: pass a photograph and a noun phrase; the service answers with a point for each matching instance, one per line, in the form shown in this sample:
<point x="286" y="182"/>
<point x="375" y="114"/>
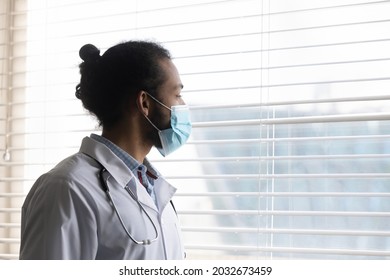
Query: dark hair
<point x="109" y="80"/>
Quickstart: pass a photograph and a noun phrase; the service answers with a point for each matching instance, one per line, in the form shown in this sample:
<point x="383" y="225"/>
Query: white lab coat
<point x="66" y="215"/>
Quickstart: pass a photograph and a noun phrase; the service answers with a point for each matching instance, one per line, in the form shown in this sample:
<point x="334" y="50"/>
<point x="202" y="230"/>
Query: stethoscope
<point x="103" y="180"/>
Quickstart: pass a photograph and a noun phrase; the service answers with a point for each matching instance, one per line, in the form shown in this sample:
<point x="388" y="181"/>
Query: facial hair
<point x="161" y="120"/>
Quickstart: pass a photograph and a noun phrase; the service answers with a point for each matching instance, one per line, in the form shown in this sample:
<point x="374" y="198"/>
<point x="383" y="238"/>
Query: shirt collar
<point x="130" y="162"/>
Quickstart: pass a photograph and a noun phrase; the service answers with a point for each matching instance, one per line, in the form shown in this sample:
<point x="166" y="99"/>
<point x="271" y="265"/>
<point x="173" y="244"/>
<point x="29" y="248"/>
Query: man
<point x="107" y="201"/>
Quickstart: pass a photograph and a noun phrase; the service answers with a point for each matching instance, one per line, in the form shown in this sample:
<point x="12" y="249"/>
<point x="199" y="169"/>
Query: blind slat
<point x="220" y="159"/>
<point x="282" y="176"/>
<point x="9" y="240"/>
<point x="247" y="141"/>
<point x="290" y="250"/>
<point x="299" y="120"/>
<point x="9" y="225"/>
<point x="287" y="194"/>
<point x="291" y="139"/>
<point x="247" y="176"/>
<point x="285" y="213"/>
<point x="288" y="231"/>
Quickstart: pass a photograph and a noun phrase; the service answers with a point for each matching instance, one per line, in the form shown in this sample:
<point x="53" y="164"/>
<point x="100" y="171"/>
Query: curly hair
<point x="108" y="81"/>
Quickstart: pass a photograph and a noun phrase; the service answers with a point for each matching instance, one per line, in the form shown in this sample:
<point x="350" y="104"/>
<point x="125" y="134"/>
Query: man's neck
<point x="131" y="144"/>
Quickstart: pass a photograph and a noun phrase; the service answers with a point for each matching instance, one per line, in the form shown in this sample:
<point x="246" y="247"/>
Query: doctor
<point x="107" y="201"/>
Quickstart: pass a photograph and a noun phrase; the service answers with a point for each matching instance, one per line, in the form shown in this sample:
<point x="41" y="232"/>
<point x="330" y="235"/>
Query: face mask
<point x="176" y="136"/>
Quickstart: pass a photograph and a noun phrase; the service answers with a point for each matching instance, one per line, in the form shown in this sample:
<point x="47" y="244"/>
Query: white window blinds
<point x="289" y="156"/>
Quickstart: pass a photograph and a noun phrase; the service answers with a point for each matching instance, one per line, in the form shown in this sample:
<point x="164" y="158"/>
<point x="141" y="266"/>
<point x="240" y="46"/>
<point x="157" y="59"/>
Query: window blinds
<point x="289" y="100"/>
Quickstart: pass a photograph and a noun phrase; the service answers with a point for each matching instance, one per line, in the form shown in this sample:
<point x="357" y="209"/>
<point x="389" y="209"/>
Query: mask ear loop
<point x="146" y="117"/>
<point x="155" y="99"/>
<point x="159" y="133"/>
<point x="152" y="123"/>
<point x="159" y="130"/>
<point x="162" y="104"/>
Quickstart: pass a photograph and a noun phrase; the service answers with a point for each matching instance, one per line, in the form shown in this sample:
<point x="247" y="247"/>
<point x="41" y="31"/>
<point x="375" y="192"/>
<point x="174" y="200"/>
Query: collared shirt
<point x="145" y="173"/>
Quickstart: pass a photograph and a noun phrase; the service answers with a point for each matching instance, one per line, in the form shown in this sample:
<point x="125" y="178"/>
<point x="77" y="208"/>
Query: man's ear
<point x="143" y="102"/>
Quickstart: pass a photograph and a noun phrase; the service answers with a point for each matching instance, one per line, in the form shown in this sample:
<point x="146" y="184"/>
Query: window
<point x="289" y="156"/>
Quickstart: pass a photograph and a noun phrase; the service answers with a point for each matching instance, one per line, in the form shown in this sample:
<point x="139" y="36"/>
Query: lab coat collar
<point x="102" y="154"/>
<point x="163" y="191"/>
<point x="121" y="173"/>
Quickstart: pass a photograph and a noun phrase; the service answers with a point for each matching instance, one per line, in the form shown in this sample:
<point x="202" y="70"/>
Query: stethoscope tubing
<point x="106" y="189"/>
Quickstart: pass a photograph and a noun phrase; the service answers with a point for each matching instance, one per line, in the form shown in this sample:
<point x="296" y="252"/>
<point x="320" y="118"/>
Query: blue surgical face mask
<point x="179" y="132"/>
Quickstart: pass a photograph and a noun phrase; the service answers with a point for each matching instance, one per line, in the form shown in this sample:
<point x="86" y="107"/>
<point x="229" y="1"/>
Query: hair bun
<point x="89" y="53"/>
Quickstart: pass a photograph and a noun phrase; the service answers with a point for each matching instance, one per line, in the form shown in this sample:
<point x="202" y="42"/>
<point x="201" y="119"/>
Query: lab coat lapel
<point x="164" y="192"/>
<point x="142" y="195"/>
